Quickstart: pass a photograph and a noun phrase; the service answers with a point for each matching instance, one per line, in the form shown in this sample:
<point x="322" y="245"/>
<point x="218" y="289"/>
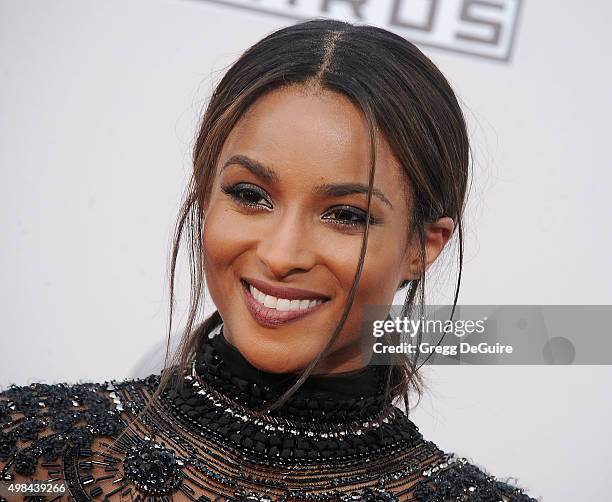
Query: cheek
<point x="380" y="272"/>
<point x="224" y="242"/>
<point x="223" y="239"/>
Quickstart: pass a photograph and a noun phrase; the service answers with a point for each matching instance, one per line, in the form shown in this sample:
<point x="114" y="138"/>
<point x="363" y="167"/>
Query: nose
<point x="286" y="245"/>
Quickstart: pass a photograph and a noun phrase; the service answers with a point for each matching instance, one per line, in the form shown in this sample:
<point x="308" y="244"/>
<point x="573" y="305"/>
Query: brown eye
<point x="348" y="216"/>
<point x="247" y="195"/>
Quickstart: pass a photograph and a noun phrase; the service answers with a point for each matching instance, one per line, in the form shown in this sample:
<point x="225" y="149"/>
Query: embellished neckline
<point x="341" y="397"/>
<point x="329" y="417"/>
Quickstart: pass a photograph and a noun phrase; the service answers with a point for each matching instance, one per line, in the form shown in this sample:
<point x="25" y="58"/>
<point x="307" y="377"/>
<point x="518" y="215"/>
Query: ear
<point x="437" y="234"/>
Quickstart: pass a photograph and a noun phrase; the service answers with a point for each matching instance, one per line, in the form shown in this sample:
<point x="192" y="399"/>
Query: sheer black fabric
<point x="334" y="440"/>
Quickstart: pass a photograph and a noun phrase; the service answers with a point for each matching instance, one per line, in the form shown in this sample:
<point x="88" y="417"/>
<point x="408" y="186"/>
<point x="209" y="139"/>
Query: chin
<point x="273" y="357"/>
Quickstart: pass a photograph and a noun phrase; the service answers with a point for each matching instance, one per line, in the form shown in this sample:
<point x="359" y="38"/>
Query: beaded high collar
<point x="355" y="395"/>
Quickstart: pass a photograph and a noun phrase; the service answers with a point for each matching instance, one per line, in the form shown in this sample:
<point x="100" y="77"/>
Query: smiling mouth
<point x="272" y="311"/>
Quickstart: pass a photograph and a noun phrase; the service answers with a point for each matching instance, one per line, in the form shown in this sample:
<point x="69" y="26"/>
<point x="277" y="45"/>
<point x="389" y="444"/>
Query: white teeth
<point x="270" y="301"/>
<point x="282" y="304"/>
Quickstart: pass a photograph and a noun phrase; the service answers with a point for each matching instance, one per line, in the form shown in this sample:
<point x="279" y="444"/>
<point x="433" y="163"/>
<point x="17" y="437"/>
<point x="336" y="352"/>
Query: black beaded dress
<point x="334" y="440"/>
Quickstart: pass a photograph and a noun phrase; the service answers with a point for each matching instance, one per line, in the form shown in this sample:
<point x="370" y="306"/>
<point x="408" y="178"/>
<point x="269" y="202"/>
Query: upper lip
<point x="284" y="291"/>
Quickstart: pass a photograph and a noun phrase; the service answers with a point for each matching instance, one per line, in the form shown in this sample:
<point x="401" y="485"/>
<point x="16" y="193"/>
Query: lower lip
<point x="271" y="317"/>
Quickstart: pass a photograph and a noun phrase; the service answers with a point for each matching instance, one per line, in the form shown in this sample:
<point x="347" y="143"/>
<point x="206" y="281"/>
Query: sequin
<point x="153" y="468"/>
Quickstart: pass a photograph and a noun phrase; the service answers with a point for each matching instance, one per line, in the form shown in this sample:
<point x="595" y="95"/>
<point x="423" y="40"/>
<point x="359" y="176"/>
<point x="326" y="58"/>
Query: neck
<point x="325" y="395"/>
<point x="341" y="362"/>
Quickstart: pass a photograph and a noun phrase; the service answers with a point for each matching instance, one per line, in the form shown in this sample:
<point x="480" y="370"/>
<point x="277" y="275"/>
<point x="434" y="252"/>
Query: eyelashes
<point x="253" y="194"/>
<point x="353" y="217"/>
<point x="253" y="197"/>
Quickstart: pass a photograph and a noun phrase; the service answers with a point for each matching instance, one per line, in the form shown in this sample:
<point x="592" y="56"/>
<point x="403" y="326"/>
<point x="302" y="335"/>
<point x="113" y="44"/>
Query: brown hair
<point x="400" y="92"/>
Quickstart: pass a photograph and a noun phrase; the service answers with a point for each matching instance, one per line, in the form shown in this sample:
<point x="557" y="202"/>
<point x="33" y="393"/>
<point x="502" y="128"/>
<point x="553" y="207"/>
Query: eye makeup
<point x="251" y="196"/>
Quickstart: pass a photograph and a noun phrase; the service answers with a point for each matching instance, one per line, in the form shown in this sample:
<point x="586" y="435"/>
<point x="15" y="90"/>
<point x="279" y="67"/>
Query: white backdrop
<point x="99" y="102"/>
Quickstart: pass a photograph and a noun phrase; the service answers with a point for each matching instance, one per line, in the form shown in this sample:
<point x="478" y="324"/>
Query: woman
<point x="330" y="170"/>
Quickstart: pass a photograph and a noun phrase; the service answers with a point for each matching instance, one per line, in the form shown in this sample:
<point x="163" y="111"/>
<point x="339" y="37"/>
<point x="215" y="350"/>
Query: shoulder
<point x="456" y="478"/>
<point x="40" y="422"/>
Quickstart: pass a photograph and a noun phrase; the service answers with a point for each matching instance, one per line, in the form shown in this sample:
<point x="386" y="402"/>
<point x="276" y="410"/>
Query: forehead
<point x="309" y="137"/>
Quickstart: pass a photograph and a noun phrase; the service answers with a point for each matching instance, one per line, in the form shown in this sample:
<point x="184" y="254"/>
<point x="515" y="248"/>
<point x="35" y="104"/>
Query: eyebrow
<point x="327" y="190"/>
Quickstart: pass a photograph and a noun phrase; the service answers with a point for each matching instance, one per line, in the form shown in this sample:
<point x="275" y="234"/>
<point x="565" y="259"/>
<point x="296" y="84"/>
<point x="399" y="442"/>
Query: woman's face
<point x="287" y="210"/>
